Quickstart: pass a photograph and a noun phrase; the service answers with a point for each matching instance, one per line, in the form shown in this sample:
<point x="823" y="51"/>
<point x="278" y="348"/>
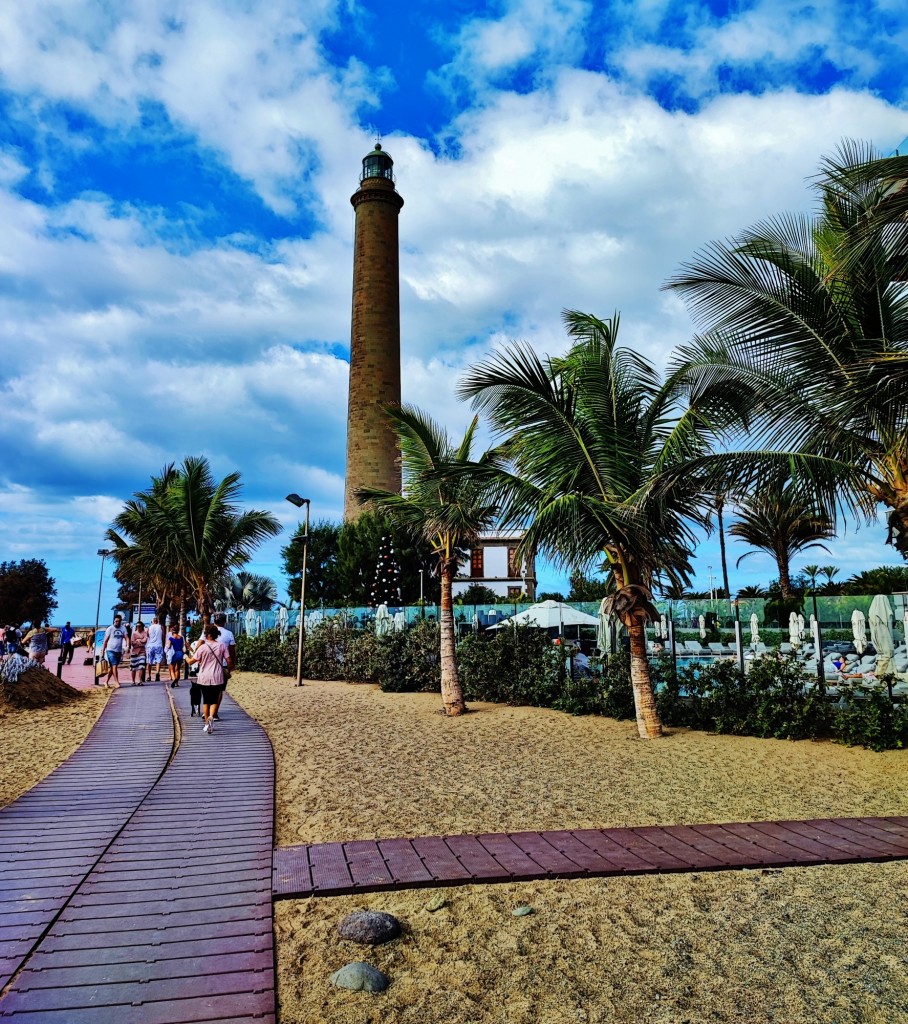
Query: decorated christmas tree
<point x="386" y="585"/>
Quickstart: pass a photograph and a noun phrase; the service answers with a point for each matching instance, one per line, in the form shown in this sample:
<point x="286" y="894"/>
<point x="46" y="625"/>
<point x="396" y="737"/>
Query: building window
<point x="514" y="593"/>
<point x="477" y="563"/>
<point x="514" y="572"/>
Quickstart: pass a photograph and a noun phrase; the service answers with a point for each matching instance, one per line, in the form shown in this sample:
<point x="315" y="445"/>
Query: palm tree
<point x="138" y="543"/>
<point x="586" y="436"/>
<point x="247" y="590"/>
<point x="830" y="572"/>
<point x="444" y="504"/>
<point x="806" y="343"/>
<point x="812" y="572"/>
<point x="782" y="521"/>
<point x="189" y="528"/>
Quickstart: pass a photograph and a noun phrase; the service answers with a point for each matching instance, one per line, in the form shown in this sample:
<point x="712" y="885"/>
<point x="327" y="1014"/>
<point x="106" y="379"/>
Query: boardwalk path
<point x="52" y="836"/>
<point x="333" y="869"/>
<point x="174" y="923"/>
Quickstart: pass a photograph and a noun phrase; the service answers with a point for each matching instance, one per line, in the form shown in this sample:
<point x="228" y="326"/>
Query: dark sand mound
<point x="26" y="684"/>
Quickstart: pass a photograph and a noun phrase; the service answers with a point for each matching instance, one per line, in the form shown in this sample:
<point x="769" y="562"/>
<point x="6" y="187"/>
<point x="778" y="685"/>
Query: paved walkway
<point x="334" y="869"/>
<point x="173" y="923"/>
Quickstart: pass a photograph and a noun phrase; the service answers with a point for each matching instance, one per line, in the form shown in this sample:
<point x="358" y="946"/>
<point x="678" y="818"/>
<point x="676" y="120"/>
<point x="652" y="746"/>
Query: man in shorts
<point x="227" y="638"/>
<point x="115" y="640"/>
<point x="154" y="652"/>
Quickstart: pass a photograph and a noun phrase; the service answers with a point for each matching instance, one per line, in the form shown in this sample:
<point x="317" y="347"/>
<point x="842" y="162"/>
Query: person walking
<point x="155" y="650"/>
<point x="36" y="642"/>
<point x="227" y="638"/>
<point x="138" y="644"/>
<point x="67" y="635"/>
<point x="210" y="655"/>
<point x="11" y="639"/>
<point x="115" y="640"/>
<point x="175" y="646"/>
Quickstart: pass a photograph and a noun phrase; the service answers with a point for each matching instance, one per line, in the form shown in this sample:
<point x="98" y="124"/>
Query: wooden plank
<point x="404" y="863"/>
<point x="440" y="862"/>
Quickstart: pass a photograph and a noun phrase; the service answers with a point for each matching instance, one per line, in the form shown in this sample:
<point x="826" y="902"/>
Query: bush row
<point x="521" y="666"/>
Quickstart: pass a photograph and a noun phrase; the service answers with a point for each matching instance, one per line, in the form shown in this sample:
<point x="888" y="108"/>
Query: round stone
<point x="369" y="927"/>
<point x="360" y="977"/>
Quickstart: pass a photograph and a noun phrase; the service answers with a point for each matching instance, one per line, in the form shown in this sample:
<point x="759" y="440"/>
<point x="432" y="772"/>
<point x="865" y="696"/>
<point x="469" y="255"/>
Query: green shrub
<point x="865" y="716"/>
<point x="607" y="691"/>
<point x="517" y="665"/>
<point x="266" y="653"/>
<point x="408" y="662"/>
<point x="774" y="699"/>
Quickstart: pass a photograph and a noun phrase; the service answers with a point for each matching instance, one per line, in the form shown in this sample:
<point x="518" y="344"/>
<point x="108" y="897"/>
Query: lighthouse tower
<point x="373" y="457"/>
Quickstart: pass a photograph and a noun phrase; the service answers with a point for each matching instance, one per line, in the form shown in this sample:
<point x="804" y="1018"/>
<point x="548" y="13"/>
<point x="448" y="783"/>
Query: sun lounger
<point x="694" y="648"/>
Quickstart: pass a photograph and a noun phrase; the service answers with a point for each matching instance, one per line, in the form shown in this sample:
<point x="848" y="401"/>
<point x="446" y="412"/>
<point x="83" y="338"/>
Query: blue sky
<point x="175" y="249"/>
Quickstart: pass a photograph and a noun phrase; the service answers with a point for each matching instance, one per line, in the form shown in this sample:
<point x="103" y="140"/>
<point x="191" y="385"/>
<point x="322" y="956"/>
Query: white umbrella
<point x="905" y="626"/>
<point x="549" y="614"/>
<point x="754" y="629"/>
<point x="794" y="631"/>
<point x="702" y="621"/>
<point x="881" y="634"/>
<point x="663" y="627"/>
<point x="859" y="630"/>
<point x="814" y="628"/>
<point x="800" y="627"/>
<point x="282" y="619"/>
<point x="400" y="621"/>
<point x="383" y="621"/>
<point x="250" y="622"/>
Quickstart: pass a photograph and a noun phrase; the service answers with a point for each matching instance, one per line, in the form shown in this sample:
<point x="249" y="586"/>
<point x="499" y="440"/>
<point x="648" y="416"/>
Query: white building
<point x="493" y="563"/>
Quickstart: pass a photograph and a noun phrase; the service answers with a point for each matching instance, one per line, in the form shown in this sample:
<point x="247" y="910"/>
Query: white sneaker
<point x="205" y="727"/>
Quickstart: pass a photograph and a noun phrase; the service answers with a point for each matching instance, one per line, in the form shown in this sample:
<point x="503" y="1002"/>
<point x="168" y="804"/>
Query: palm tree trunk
<point x="451" y="691"/>
<point x="720" y="505"/>
<point x="784" y="576"/>
<point x="649" y="725"/>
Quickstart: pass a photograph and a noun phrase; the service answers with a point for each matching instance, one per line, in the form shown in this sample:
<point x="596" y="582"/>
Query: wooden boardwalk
<point x="173" y="924"/>
<point x="54" y="835"/>
<point x="334" y="869"/>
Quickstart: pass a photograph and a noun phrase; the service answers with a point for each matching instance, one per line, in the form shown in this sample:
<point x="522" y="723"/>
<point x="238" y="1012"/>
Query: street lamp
<point x="295" y="499"/>
<point x="422" y="604"/>
<point x="104" y="553"/>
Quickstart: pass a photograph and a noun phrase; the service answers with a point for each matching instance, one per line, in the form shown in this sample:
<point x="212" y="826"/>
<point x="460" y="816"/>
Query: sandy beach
<point x="811" y="944"/>
<point x="34" y="742"/>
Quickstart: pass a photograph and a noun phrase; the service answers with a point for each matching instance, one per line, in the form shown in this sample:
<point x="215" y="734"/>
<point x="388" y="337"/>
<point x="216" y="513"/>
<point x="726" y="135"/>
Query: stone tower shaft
<point x="373" y="456"/>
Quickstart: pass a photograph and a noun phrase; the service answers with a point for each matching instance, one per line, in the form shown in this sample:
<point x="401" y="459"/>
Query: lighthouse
<point x="373" y="456"/>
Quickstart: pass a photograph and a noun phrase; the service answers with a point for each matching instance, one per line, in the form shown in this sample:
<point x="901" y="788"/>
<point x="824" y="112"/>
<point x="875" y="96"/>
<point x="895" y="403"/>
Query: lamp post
<point x="295" y="499"/>
<point x="104" y="553"/>
<point x="422" y="606"/>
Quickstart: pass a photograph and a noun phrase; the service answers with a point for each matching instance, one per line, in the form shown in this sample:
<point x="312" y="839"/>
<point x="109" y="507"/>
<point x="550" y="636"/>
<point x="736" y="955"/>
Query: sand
<point x="808" y="944"/>
<point x="33" y="742"/>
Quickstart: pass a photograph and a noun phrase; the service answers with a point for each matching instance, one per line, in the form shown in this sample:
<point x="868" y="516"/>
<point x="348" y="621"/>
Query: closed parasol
<point x="383" y="621"/>
<point x="881" y="634"/>
<point x="754" y="629"/>
<point x="859" y="630"/>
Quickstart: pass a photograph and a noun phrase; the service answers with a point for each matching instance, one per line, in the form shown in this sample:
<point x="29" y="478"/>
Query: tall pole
<point x="295" y="499"/>
<point x="103" y="552"/>
<point x="139" y="609"/>
<point x="422" y="607"/>
<point x="302" y="622"/>
<point x="821" y="675"/>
